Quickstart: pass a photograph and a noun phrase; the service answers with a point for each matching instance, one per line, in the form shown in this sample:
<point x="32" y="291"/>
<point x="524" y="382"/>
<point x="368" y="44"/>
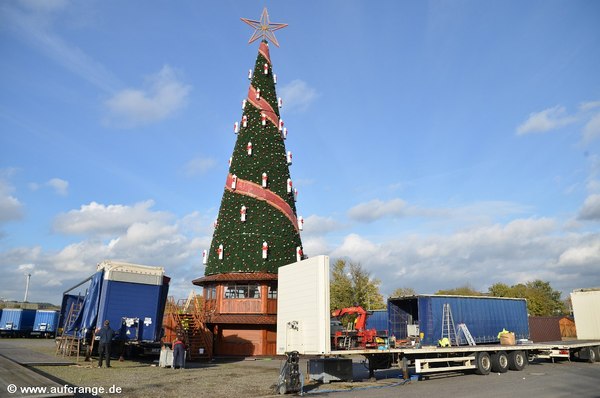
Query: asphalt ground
<point x="540" y="378"/>
<point x="226" y="377"/>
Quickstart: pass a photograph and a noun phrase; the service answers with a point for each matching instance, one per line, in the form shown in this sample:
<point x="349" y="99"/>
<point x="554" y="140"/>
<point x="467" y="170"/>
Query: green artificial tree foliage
<point x="265" y="220"/>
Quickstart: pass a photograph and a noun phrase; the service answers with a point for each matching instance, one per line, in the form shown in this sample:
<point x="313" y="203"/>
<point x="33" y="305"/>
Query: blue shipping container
<point x="46" y="322"/>
<point x="485" y="317"/>
<point x="17" y="321"/>
<point x="378" y="320"/>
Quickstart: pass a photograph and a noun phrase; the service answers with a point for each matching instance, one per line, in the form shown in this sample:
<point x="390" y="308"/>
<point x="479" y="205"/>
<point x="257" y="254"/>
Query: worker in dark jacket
<point x="106" y="335"/>
<point x="178" y="353"/>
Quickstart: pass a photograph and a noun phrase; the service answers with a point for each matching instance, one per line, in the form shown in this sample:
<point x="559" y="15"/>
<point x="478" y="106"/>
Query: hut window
<point x="211" y="292"/>
<point x="240" y="291"/>
<point x="272" y="292"/>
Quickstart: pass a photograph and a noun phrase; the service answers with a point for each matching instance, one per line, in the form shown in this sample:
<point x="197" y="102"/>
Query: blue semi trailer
<point x="484" y="317"/>
<point x="131" y="297"/>
<point x="16" y="322"/>
<point x="45" y="323"/>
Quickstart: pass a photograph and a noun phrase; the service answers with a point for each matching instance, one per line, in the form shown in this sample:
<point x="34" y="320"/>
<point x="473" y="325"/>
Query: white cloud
<point x="376" y="209"/>
<point x="297" y="96"/>
<point x="10" y="207"/>
<point x="199" y="166"/>
<point x="163" y="94"/>
<point x="142" y="236"/>
<point x="587" y="254"/>
<point x="587" y="106"/>
<point x="317" y="225"/>
<point x="591" y="130"/>
<point x="519" y="251"/>
<point x="314" y="246"/>
<point x="546" y="120"/>
<point x="591" y="208"/>
<point x="99" y="219"/>
<point x="61" y="187"/>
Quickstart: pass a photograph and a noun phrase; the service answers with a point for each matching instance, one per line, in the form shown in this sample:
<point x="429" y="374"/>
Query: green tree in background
<point x="351" y="285"/>
<point x="404" y="291"/>
<point x="542" y="300"/>
<point x="466" y="290"/>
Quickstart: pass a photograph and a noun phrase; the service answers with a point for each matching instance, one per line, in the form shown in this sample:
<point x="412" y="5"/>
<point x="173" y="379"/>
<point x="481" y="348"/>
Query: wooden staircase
<point x="187" y="319"/>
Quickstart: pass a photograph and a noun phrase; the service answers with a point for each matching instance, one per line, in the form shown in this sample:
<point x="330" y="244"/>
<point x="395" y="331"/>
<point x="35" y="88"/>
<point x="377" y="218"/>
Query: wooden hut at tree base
<point x="241" y="311"/>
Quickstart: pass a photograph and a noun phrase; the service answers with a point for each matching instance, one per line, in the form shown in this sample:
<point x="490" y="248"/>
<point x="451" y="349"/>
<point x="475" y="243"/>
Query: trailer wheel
<point x="483" y="363"/>
<point x="517" y="360"/>
<point x="591" y="354"/>
<point x="499" y="362"/>
<point x="597" y="350"/>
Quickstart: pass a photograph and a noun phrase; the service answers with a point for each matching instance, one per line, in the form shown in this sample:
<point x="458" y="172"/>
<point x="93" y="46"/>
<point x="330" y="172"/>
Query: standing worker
<point x="106" y="335"/>
<point x="178" y="353"/>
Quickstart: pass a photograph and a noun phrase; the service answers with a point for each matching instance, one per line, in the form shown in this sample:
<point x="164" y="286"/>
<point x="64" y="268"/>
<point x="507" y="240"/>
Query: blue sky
<point x="437" y="143"/>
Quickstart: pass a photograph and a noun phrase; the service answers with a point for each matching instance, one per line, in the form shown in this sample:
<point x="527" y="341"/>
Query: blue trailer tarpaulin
<point x="485" y="317"/>
<point x="378" y="320"/>
<point x="86" y="320"/>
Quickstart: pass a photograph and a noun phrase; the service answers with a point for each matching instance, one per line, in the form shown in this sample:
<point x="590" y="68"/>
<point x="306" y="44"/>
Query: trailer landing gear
<point x="289" y="377"/>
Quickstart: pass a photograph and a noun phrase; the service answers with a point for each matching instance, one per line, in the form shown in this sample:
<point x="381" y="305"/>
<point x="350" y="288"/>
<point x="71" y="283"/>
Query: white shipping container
<point x="586" y="311"/>
<point x="303" y="319"/>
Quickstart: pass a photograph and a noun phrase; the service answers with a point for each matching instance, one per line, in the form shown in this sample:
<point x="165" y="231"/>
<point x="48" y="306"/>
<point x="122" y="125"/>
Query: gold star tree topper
<point x="264" y="28"/>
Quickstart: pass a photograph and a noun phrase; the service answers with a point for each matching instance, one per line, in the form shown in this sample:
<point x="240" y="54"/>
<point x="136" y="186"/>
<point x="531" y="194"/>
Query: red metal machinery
<point x="357" y="337"/>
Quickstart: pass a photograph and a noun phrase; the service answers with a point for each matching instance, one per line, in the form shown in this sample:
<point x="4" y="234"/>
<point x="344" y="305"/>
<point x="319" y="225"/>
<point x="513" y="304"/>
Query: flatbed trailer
<point x="303" y="328"/>
<point x="481" y="358"/>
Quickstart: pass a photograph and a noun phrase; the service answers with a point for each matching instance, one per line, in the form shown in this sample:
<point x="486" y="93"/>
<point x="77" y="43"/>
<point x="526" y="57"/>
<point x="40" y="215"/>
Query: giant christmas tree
<point x="257" y="228"/>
